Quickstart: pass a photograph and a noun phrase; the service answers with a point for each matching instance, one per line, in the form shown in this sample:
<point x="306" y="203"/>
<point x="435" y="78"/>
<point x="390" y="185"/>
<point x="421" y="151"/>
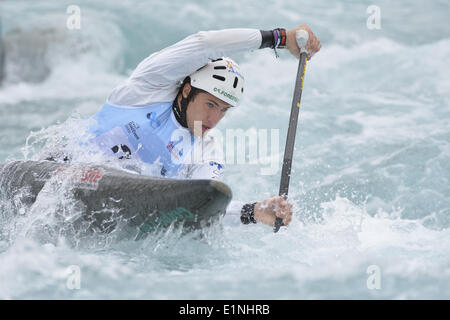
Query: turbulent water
<point x="371" y="171"/>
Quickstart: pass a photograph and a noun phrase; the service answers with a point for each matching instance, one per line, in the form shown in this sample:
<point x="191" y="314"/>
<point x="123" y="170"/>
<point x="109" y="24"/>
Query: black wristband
<point x="267" y="39"/>
<point x="247" y="213"/>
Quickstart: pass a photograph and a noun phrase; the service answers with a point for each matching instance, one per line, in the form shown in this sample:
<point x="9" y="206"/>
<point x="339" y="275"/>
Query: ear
<point x="186" y="90"/>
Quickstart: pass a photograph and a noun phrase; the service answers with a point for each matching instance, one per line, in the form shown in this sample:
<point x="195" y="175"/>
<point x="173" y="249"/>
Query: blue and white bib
<point x="150" y="133"/>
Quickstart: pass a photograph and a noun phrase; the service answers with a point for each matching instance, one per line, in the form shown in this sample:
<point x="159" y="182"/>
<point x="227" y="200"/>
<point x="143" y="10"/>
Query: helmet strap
<point x="181" y="115"/>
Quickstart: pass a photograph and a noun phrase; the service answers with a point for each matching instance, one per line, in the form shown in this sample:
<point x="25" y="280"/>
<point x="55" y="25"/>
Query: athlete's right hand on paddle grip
<point x="268" y="210"/>
<point x="312" y="46"/>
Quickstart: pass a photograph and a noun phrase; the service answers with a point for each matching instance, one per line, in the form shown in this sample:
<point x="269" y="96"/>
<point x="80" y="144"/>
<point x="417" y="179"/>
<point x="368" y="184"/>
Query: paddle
<point x="302" y="39"/>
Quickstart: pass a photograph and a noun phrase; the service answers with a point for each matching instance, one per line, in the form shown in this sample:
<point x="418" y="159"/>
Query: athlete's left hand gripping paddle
<point x="302" y="39"/>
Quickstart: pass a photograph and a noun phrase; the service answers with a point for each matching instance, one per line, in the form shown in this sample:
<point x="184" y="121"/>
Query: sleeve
<point x="210" y="169"/>
<point x="233" y="213"/>
<point x="157" y="77"/>
<point x="209" y="163"/>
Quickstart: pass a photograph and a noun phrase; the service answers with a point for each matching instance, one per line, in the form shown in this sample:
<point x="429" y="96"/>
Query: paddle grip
<point x="302" y="37"/>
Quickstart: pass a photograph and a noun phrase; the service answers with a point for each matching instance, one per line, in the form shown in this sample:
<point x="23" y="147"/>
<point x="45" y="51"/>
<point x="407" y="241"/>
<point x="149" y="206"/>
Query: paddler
<point x="179" y="94"/>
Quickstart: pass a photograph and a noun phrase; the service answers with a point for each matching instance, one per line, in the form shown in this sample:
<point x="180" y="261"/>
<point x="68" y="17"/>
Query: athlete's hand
<point x="312" y="46"/>
<point x="266" y="211"/>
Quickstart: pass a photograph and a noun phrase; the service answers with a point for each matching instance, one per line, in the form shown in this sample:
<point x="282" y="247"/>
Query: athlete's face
<point x="205" y="108"/>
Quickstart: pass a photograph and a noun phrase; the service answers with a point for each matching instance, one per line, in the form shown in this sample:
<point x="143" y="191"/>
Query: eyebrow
<point x="213" y="102"/>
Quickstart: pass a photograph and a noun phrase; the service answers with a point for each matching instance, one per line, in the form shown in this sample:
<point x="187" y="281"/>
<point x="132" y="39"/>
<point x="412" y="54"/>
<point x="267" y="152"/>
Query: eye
<point x="210" y="105"/>
<point x="224" y="110"/>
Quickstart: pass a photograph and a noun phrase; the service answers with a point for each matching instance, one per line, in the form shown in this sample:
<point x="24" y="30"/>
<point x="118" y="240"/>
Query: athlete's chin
<point x="200" y="131"/>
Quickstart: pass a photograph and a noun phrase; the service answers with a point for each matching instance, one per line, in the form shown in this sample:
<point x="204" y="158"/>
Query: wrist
<point x="279" y="37"/>
<point x="248" y="213"/>
<point x="274" y="39"/>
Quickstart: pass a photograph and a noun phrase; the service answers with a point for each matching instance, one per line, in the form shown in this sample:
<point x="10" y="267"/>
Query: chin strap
<point x="181" y="115"/>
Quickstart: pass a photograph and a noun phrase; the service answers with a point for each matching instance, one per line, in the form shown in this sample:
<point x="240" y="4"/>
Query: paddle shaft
<point x="292" y="129"/>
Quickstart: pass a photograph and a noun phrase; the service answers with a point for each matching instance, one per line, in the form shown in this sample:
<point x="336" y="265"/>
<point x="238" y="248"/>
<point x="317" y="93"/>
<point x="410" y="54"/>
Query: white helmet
<point x="221" y="78"/>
